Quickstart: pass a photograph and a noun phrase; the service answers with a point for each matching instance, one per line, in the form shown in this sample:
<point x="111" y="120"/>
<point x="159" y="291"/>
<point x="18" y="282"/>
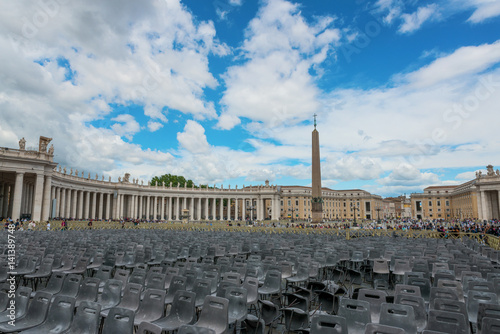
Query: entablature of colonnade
<point x="488" y="181"/>
<point x="22" y="161"/>
<point x="73" y="179"/>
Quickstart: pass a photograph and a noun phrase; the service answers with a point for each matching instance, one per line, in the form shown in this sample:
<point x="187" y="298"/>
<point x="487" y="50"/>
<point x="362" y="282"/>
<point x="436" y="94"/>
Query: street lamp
<point x="378" y="213"/>
<point x="292" y="209"/>
<point x="354" y="207"/>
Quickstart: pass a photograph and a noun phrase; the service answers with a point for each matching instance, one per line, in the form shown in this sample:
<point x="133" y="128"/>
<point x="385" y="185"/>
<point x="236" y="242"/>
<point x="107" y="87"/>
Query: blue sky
<point x="224" y="91"/>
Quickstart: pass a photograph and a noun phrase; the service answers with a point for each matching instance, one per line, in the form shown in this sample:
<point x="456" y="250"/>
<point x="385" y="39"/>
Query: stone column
<point x="108" y="206"/>
<point x="5" y="207"/>
<point x="68" y="204"/>
<point x="214" y="213"/>
<point x="221" y="208"/>
<point x="93" y="209"/>
<point x="275" y="213"/>
<point x="37" y="203"/>
<point x="198" y="211"/>
<point x="79" y="209"/>
<point x="236" y="209"/>
<point x="148" y="200"/>
<point x="74" y="198"/>
<point x="46" y="203"/>
<point x="484" y="205"/>
<point x="162" y="210"/>
<point x="18" y="193"/>
<point x="86" y="205"/>
<point x="115" y="204"/>
<point x="62" y="204"/>
<point x="101" y="202"/>
<point x="177" y="207"/>
<point x="168" y="208"/>
<point x="243" y="209"/>
<point x="155" y="207"/>
<point x="141" y="199"/>
<point x="191" y="208"/>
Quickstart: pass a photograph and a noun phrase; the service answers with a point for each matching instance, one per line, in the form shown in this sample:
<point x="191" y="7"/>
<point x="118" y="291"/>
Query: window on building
<point x="430" y="203"/>
<point x="289" y="202"/>
<point x="447" y="203"/>
<point x="297" y="202"/>
<point x="438" y="203"/>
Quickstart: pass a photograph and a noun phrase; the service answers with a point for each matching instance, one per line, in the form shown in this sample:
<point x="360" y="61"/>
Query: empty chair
<point x="443" y="293"/>
<point x="178" y="283"/>
<point x="151" y="307"/>
<point x="375" y="298"/>
<point x="252" y="286"/>
<point x="407" y="290"/>
<point x="59" y="316"/>
<point x="122" y="275"/>
<point x="424" y="284"/>
<point x="148" y="328"/>
<point x="357" y="314"/>
<point x="35" y="315"/>
<point x="454" y="285"/>
<point x="302" y="274"/>
<point x="328" y="324"/>
<point x="130" y="300"/>
<point x="111" y="294"/>
<point x="103" y="274"/>
<point x="190" y="329"/>
<point x="138" y="277"/>
<point x="214" y="314"/>
<point x="155" y="281"/>
<point x="269" y="312"/>
<point x="447" y="322"/>
<point x="70" y="286"/>
<point x="237" y="306"/>
<point x="202" y="288"/>
<point x="476" y="297"/>
<point x="487" y="311"/>
<point x="326" y="301"/>
<point x="21" y="299"/>
<point x="398" y="315"/>
<point x="55" y="283"/>
<point x="383" y="329"/>
<point x="44" y="271"/>
<point x="272" y="283"/>
<point x="490" y="325"/>
<point x="182" y="312"/>
<point x="80" y="268"/>
<point x="86" y="319"/>
<point x="119" y="320"/>
<point x="419" y="309"/>
<point x="409" y="275"/>
<point x="88" y="290"/>
<point x="66" y="263"/>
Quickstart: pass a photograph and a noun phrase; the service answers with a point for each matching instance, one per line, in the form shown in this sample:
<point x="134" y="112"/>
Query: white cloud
<point x="484" y="9"/>
<point x="274" y="83"/>
<point x="154" y="126"/>
<point x="414" y="21"/>
<point x="408" y="175"/>
<point x="236" y="2"/>
<point x="193" y="139"/>
<point x="126" y="126"/>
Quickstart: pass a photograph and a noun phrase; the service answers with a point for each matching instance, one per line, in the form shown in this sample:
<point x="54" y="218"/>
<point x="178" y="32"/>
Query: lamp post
<point x="378" y="213"/>
<point x="292" y="209"/>
<point x="354" y="207"/>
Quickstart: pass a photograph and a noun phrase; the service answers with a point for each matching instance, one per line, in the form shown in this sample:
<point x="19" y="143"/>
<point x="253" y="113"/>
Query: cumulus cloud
<point x="154" y="126"/>
<point x="125" y="126"/>
<point x="274" y="82"/>
<point x="193" y="138"/>
<point x="414" y="21"/>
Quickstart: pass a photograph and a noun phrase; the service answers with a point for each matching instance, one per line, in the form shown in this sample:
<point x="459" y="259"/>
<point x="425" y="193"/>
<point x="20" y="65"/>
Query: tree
<point x="166" y="179"/>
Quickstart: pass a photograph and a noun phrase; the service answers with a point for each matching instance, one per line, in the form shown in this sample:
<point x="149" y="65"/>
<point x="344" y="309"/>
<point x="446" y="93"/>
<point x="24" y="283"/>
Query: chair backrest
<point x="214" y="314"/>
<point x="155" y="281"/>
<point x="398" y="315"/>
<point x="37" y="309"/>
<point x="190" y="329"/>
<point x="490" y="325"/>
<point x="487" y="311"/>
<point x="375" y="298"/>
<point x="356" y="312"/>
<point x="22" y="298"/>
<point x="419" y="309"/>
<point x="111" y="294"/>
<point x="88" y="290"/>
<point x="59" y="316"/>
<point x="237" y="306"/>
<point x="407" y="290"/>
<point x="273" y="278"/>
<point x="86" y="319"/>
<point x="71" y="285"/>
<point x="326" y="301"/>
<point x="131" y="296"/>
<point x="202" y="288"/>
<point x="138" y="277"/>
<point x="104" y="273"/>
<point x="184" y="306"/>
<point x="326" y="324"/>
<point x="383" y="329"/>
<point x="148" y="328"/>
<point x="447" y="322"/>
<point x="443" y="293"/>
<point x="474" y="298"/>
<point x="178" y="283"/>
<point x="119" y="320"/>
<point x="152" y="304"/>
<point x="424" y="284"/>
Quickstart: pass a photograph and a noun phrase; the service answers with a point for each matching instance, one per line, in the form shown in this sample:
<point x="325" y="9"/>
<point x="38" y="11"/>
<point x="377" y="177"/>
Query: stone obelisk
<point x="317" y="201"/>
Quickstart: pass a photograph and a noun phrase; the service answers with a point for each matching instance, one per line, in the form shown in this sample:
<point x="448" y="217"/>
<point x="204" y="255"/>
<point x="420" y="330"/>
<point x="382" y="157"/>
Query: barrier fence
<point x="491" y="240"/>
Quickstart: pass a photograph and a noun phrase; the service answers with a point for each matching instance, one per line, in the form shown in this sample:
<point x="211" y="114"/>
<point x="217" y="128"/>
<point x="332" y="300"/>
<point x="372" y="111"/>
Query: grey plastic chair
<point x="190" y="329"/>
<point x="70" y="286"/>
<point x="237" y="307"/>
<point x="119" y="320"/>
<point x="383" y="329"/>
<point x="454" y="285"/>
<point x="490" y="325"/>
<point x="88" y="290"/>
<point x="424" y="284"/>
<point x="148" y="328"/>
<point x="21" y="298"/>
<point x="272" y="283"/>
<point x="178" y="283"/>
<point x="86" y="319"/>
<point x="357" y="314"/>
<point x="447" y="322"/>
<point x="407" y="290"/>
<point x="44" y="271"/>
<point x="419" y="309"/>
<point x="151" y="307"/>
<point x="111" y="294"/>
<point x="443" y="293"/>
<point x="130" y="300"/>
<point x="328" y="324"/>
<point x="182" y="312"/>
<point x="80" y="268"/>
<point x="59" y="316"/>
<point x="474" y="298"/>
<point x="398" y="315"/>
<point x="35" y="315"/>
<point x="375" y="298"/>
<point x="202" y="288"/>
<point x="103" y="273"/>
<point x="487" y="311"/>
<point x="214" y="314"/>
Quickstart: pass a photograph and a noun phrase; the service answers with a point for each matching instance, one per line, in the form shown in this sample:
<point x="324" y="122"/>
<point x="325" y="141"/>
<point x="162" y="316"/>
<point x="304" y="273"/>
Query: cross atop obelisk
<point x="317" y="201"/>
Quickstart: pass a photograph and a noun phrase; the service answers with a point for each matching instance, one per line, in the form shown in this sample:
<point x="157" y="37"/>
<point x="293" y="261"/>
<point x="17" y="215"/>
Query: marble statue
<point x="109" y="179"/>
<point x="71" y="171"/>
<point x="65" y="171"/>
<point x="22" y="144"/>
<point x="96" y="176"/>
<point x="149" y="183"/>
<point x="83" y="174"/>
<point x="60" y="169"/>
<point x="498" y="172"/>
<point x="126" y="177"/>
<point x="51" y="150"/>
<point x="142" y="182"/>
<point x="119" y="179"/>
<point x="76" y="172"/>
<point x="490" y="171"/>
<point x="102" y="178"/>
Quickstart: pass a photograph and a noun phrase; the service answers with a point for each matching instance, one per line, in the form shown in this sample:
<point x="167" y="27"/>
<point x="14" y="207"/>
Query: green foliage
<point x="176" y="180"/>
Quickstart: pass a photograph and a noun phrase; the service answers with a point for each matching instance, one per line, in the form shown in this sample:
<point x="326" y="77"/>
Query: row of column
<point x="26" y="198"/>
<point x="81" y="204"/>
<point x="489" y="204"/>
<point x="196" y="208"/>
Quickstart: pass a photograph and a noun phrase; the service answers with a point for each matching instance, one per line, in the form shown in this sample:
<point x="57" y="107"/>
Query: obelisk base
<point x="317" y="213"/>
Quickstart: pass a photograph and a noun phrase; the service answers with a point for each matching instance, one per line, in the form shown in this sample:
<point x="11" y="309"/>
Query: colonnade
<point x="489" y="204"/>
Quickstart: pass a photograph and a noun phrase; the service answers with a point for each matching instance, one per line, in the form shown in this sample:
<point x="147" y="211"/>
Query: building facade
<point x="475" y="199"/>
